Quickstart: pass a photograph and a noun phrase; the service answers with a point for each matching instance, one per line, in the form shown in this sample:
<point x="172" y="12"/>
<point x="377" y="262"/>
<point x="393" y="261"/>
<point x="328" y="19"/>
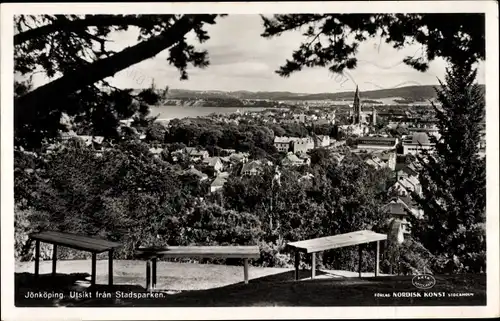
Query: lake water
<point x="170" y="112"/>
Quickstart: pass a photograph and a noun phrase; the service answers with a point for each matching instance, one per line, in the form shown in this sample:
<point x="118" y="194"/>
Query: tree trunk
<point x="87" y="75"/>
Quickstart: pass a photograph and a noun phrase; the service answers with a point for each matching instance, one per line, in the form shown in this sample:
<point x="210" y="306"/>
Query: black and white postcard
<point x="339" y="157"/>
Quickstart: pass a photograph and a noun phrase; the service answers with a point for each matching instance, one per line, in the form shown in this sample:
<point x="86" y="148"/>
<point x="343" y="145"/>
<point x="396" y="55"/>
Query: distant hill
<point x="403" y="94"/>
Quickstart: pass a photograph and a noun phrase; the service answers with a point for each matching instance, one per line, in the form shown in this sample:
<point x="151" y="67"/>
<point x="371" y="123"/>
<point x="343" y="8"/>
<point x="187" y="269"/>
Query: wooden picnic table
<point x="78" y="242"/>
<point x="152" y="254"/>
<point x="313" y="246"/>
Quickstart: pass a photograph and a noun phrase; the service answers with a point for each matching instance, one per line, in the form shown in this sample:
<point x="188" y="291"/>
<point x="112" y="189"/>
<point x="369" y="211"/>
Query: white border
<point x="9" y="312"/>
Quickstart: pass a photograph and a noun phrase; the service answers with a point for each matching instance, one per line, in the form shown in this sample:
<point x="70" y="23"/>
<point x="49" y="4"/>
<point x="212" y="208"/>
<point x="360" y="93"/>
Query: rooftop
<point x="211" y="161"/>
<point x="396" y="209"/>
<point x="256" y="164"/>
<point x="292" y="158"/>
<point x="219" y="181"/>
<point x="377" y="139"/>
<point x="420" y="138"/>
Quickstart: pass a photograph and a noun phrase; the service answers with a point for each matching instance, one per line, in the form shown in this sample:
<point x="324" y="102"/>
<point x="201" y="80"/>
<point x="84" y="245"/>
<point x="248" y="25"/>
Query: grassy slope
<point x="219" y="285"/>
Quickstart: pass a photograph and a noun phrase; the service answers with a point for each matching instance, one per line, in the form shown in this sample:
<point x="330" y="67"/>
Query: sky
<point x="240" y="59"/>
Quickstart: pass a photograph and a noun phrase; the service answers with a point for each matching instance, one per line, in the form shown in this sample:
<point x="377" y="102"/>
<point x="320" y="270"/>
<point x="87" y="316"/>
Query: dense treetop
<point x="332" y="40"/>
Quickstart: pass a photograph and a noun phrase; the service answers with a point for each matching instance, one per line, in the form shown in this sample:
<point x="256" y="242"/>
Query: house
<point x="417" y="188"/>
<point x="292" y="160"/>
<point x="299" y="118"/>
<point x="399" y="188"/>
<point x="354" y="129"/>
<point x="302" y="145"/>
<point x="239" y="157"/>
<point x="193" y="171"/>
<point x="376" y="143"/>
<point x="192" y="153"/>
<point x="429" y="130"/>
<point x="407" y="171"/>
<point x="375" y="162"/>
<point x="94" y="141"/>
<point x="406" y="185"/>
<point x="306" y="159"/>
<point x="226" y="161"/>
<point x="294" y="144"/>
<point x="322" y="122"/>
<point x="252" y="168"/>
<point x="214" y="162"/>
<point x="282" y="144"/>
<point x="219" y="182"/>
<point x="156" y="151"/>
<point x="177" y="155"/>
<point x="67" y="135"/>
<point x="195" y="154"/>
<point x="411" y="206"/>
<point x="416" y="143"/>
<point x="389" y="158"/>
<point x="397" y="211"/>
<point x="321" y="141"/>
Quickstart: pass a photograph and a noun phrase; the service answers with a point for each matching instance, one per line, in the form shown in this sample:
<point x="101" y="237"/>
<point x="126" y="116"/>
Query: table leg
<point x="360" y="253"/>
<point x="154" y="272"/>
<point x="110" y="267"/>
<point x="54" y="259"/>
<point x="297" y="263"/>
<point x="313" y="265"/>
<point x="148" y="275"/>
<point x="37" y="258"/>
<point x="245" y="271"/>
<point x="94" y="268"/>
<point x="377" y="259"/>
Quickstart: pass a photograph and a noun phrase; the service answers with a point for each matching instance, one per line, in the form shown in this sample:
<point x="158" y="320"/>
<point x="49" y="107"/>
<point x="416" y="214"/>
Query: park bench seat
<point x="151" y="255"/>
<point x="78" y="242"/>
<point x="320" y="244"/>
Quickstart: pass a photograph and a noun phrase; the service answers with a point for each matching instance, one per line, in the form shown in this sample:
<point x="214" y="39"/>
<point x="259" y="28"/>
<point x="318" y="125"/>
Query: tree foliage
<point x="73" y="50"/>
<point x="332" y="40"/>
<point x="454" y="177"/>
<point x="257" y="139"/>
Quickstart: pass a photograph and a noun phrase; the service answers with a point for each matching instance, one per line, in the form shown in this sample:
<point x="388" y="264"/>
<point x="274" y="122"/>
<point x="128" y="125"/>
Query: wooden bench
<point x="78" y="242"/>
<point x="151" y="255"/>
<point x="313" y="246"/>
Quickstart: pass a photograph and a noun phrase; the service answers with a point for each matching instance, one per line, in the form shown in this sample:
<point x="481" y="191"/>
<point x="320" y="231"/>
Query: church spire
<point x="357" y="107"/>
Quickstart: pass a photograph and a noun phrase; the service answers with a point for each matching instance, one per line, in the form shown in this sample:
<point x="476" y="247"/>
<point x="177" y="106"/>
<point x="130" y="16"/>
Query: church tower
<point x="374" y="116"/>
<point x="357" y="107"/>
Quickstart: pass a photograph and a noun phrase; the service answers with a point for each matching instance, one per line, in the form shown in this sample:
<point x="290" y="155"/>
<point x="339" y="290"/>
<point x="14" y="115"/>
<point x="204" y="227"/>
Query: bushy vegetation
<point x="126" y="195"/>
<point x="454" y="178"/>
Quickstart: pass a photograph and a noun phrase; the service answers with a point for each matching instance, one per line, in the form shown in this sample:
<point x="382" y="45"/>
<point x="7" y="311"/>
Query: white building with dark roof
<point x="294" y="144"/>
<point x="293" y="160"/>
<point x="214" y="162"/>
<point x="376" y="143"/>
<point x="252" y="168"/>
<point x="416" y="143"/>
<point x="219" y="182"/>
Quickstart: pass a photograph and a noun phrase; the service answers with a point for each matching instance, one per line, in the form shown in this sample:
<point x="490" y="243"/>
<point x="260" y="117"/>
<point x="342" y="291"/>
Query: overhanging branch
<point x="26" y="105"/>
<point x="80" y="24"/>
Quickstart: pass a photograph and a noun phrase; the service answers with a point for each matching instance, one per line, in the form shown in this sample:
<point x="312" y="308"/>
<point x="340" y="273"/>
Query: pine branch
<point x="79" y="25"/>
<point x="107" y="67"/>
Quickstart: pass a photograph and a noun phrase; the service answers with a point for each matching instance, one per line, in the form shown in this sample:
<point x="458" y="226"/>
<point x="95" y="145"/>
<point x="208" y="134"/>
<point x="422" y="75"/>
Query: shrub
<point x="27" y="221"/>
<point x="274" y="255"/>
